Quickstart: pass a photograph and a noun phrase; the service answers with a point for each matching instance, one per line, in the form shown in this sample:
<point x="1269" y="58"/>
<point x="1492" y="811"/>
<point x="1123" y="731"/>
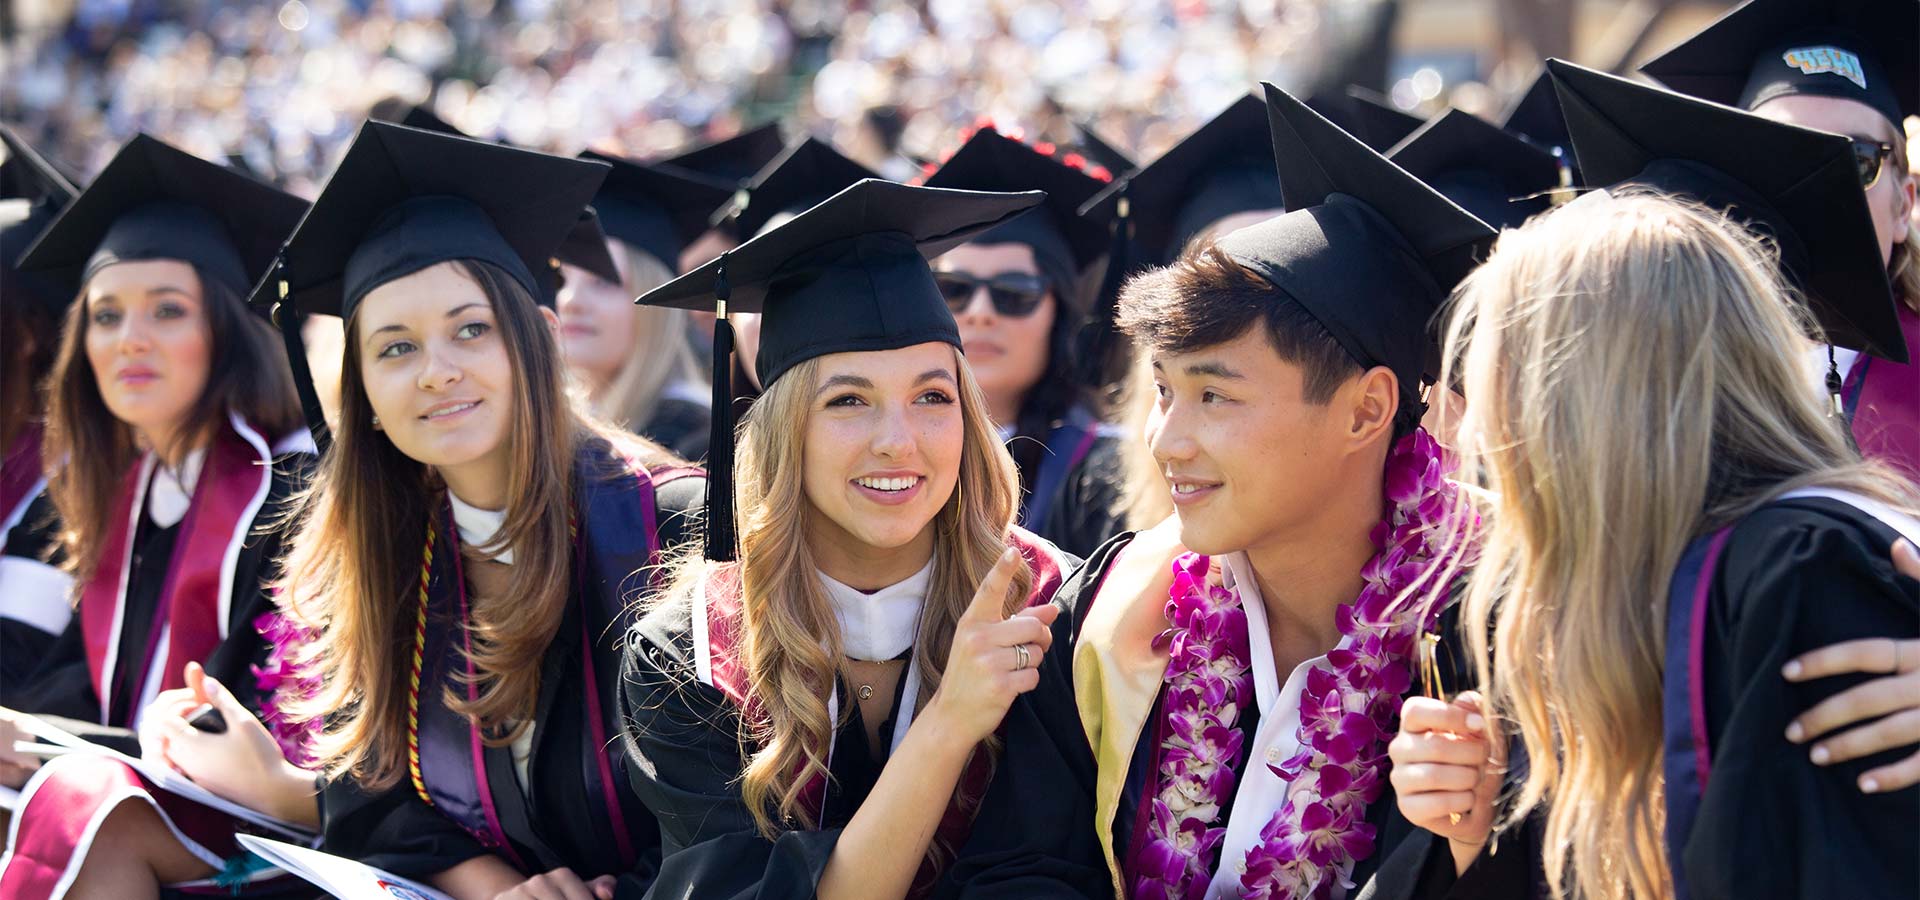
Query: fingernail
<point x="1795" y="733"/>
<point x="1475" y="722"/>
<point x="1791" y="670"/>
<point x="1821" y="756"/>
<point x="1868" y="785"/>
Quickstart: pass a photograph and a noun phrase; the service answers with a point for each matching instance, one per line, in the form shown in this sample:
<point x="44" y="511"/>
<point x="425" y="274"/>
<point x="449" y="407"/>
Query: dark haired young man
<point x="1238" y="669"/>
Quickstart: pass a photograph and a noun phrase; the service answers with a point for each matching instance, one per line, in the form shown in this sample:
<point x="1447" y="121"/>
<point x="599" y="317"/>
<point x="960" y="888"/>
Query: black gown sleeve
<point x="1084" y="509"/>
<point x="391" y="829"/>
<point x="685" y="759"/>
<point x="1797" y="576"/>
<point x="1033" y="835"/>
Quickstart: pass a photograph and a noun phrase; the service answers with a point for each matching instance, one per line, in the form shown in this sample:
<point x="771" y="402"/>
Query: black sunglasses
<point x="1871" y="157"/>
<point x="1014" y="294"/>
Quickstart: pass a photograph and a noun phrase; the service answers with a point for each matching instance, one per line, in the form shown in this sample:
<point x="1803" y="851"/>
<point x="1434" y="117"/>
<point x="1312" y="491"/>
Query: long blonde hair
<point x="1631" y="367"/>
<point x="353" y="564"/>
<point x="662" y="354"/>
<point x="791" y="642"/>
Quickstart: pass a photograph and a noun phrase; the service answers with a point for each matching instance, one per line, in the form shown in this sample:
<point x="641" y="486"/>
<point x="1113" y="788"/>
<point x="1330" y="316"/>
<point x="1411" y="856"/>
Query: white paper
<point x="165" y="779"/>
<point x="338" y="875"/>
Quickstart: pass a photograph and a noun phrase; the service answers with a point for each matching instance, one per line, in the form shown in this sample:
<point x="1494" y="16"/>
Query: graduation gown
<point x="683" y="705"/>
<point x="1118" y="599"/>
<point x="1797" y="575"/>
<point x="679" y="424"/>
<point x="1074" y="493"/>
<point x="164" y="595"/>
<point x="34" y="608"/>
<point x="576" y="810"/>
<point x="107" y="662"/>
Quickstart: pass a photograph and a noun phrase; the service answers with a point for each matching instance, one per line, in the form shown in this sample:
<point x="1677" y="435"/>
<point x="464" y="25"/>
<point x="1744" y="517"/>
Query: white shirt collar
<point x="479" y="526"/>
<point x="171" y="491"/>
<point x="879" y="626"/>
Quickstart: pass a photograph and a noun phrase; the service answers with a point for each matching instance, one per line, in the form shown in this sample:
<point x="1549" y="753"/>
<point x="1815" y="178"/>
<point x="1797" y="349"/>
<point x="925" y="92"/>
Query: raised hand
<point x="995" y="657"/>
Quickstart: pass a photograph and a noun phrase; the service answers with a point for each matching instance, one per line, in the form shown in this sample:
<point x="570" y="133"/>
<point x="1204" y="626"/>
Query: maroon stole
<point x="719" y="609"/>
<point x="196" y="601"/>
<point x="21" y="479"/>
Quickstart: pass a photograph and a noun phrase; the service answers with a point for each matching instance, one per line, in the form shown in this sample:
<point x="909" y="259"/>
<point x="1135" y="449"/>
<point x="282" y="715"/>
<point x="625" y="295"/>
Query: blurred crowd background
<point x="279" y="86"/>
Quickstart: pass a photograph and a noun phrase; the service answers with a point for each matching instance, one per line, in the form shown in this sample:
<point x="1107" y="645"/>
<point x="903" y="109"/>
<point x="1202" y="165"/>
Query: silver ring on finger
<point x="1021" y="656"/>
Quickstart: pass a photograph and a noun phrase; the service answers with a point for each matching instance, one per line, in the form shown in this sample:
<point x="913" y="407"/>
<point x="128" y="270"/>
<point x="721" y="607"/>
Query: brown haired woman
<point x="175" y="444"/>
<point x="471" y="532"/>
<point x="820" y="716"/>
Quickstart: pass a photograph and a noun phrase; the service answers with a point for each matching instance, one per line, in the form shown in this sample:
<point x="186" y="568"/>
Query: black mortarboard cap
<point x="654" y="208"/>
<point x="1377" y="122"/>
<point x="1535" y="115"/>
<point x="849" y="274"/>
<point x="1798" y="186"/>
<point x="585" y="246"/>
<point x="1863" y="50"/>
<point x="1368" y="250"/>
<point x="734" y="160"/>
<point x="154" y="201"/>
<point x="403" y="199"/>
<point x="1064" y="243"/>
<point x="1499" y="177"/>
<point x="32" y="193"/>
<point x="1224" y="167"/>
<point x="804" y="174"/>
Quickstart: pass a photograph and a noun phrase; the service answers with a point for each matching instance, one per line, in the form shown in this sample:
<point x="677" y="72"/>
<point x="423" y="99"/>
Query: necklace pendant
<point x="866" y="692"/>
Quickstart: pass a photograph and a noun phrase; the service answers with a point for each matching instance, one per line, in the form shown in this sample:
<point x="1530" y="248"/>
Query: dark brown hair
<point x="89" y="450"/>
<point x="353" y="565"/>
<point x="1204" y="299"/>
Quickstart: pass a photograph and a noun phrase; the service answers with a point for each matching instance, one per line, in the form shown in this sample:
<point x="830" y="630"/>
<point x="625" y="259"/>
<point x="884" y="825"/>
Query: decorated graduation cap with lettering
<point x="1368" y="250"/>
<point x="1797" y="186"/>
<point x="1862" y="50"/>
<point x="155" y="201"/>
<point x="848" y="274"/>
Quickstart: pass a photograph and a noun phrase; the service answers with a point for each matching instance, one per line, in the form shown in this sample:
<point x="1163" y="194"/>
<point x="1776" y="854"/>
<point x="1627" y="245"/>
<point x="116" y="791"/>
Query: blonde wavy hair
<point x="353" y="563"/>
<point x="791" y="641"/>
<point x="1631" y="367"/>
<point x="662" y="356"/>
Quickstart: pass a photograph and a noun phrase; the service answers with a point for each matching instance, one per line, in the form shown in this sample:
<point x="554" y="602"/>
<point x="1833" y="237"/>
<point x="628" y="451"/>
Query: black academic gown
<point x="554" y="823"/>
<point x="61" y="686"/>
<point x="684" y="736"/>
<point x="1398" y="844"/>
<point x="1795" y="576"/>
<point x="1082" y="514"/>
<point x="32" y="541"/>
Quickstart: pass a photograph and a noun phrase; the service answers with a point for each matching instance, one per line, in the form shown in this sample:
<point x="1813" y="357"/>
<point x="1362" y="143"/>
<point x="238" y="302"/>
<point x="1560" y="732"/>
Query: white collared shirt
<point x="171" y="491"/>
<point x="1260" y="793"/>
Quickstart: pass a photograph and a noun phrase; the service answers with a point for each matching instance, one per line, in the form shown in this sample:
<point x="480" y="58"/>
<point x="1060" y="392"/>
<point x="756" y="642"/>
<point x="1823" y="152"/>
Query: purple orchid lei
<point x="281" y="681"/>
<point x="1348" y="711"/>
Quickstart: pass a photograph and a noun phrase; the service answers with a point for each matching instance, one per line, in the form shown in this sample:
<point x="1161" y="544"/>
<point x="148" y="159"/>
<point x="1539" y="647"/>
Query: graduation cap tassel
<point x="720" y="527"/>
<point x="1096" y="346"/>
<point x="289" y="322"/>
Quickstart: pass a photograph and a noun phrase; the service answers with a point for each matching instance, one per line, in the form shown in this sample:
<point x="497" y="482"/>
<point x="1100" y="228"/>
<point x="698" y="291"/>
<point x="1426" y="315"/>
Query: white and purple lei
<point x="1349" y="709"/>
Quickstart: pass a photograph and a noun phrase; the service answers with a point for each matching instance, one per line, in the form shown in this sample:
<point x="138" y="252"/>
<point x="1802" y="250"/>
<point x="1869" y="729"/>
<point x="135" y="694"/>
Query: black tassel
<point x="1097" y="338"/>
<point x="721" y="539"/>
<point x="290" y="321"/>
